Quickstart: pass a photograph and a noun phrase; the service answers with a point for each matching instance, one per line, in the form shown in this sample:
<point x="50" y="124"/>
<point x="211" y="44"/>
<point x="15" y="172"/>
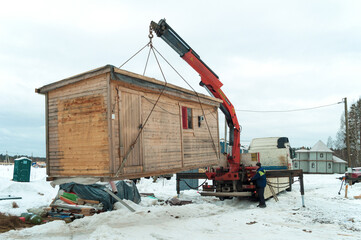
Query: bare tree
<point x="354" y="122"/>
<point x="330" y="142"/>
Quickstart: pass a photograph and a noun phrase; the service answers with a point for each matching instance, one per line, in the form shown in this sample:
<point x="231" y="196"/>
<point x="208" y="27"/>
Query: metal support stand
<point x="290" y="180"/>
<point x="346" y="188"/>
<point x="343" y="180"/>
<point x="302" y="189"/>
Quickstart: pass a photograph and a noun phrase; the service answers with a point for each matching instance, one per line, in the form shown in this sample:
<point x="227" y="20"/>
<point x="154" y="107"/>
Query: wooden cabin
<point x="109" y="123"/>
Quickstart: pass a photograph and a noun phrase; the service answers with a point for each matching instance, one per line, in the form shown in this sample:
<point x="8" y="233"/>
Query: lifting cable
<point x="164" y="110"/>
<point x="134" y="55"/>
<point x="196" y="188"/>
<point x="176" y="114"/>
<point x="131" y="147"/>
<point x="146" y="64"/>
<point x="278" y="185"/>
<point x="149" y="44"/>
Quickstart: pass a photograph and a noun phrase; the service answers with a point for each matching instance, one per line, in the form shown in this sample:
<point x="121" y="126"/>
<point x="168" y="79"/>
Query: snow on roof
<point x="22" y="158"/>
<point x="302" y="150"/>
<point x="320" y="147"/>
<point x="338" y="160"/>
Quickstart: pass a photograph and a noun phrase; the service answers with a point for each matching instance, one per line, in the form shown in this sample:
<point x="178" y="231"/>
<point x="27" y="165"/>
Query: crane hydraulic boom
<point x="211" y="82"/>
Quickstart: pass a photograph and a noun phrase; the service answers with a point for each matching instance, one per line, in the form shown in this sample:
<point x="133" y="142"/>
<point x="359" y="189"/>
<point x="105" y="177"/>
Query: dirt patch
<point x="8" y="222"/>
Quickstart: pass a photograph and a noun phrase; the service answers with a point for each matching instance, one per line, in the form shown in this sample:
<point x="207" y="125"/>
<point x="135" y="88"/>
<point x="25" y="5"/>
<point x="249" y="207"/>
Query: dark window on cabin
<point x="329" y="165"/>
<point x="321" y="155"/>
<point x="190" y="118"/>
<point x="187" y="118"/>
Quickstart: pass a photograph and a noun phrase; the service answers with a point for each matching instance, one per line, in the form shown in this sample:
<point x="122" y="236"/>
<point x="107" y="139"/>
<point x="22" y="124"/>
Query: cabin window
<point x="313" y="165"/>
<point x="321" y="155"/>
<point x="187" y="117"/>
<point x="296" y="165"/>
<point x="329" y="165"/>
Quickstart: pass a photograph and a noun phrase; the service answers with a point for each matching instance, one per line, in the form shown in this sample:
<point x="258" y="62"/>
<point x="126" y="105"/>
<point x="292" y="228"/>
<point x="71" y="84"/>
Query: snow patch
<point x="327" y="215"/>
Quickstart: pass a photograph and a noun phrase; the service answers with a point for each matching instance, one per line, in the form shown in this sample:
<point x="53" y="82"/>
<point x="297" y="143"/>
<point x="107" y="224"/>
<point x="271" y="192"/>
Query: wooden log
<point x="83" y="201"/>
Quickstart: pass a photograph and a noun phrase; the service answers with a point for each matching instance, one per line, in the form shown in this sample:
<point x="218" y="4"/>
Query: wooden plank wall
<point x="163" y="145"/>
<point x="162" y="136"/>
<point x="201" y="148"/>
<point x="78" y="129"/>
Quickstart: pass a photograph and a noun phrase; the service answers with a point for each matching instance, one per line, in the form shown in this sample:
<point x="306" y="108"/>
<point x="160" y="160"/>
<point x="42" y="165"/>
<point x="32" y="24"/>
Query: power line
<point x="292" y="110"/>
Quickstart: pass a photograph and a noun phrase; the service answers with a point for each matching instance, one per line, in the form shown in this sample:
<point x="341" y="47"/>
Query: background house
<point x="319" y="159"/>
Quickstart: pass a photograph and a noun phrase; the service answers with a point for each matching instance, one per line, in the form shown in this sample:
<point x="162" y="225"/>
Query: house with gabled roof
<point x="319" y="159"/>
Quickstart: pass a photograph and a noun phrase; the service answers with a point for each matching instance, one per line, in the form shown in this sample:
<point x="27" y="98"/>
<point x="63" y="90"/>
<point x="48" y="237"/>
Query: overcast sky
<point x="270" y="55"/>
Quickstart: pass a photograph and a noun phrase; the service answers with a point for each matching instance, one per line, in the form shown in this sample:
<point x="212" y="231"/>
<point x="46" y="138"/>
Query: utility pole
<point x="347" y="135"/>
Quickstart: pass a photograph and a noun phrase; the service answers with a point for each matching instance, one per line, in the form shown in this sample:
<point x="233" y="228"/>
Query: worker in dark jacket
<point x="261" y="182"/>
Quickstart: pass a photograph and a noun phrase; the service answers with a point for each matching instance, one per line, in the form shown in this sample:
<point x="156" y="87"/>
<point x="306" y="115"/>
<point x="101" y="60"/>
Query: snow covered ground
<point x="327" y="215"/>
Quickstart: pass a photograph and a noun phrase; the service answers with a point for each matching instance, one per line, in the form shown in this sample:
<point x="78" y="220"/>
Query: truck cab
<point x="275" y="153"/>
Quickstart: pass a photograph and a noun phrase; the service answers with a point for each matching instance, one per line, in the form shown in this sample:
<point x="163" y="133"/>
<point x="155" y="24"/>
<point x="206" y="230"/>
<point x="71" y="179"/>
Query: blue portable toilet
<point x="22" y="168"/>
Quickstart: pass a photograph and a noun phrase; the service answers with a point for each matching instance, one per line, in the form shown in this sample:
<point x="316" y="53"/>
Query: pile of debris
<point x="77" y="200"/>
<point x="9" y="222"/>
<point x="68" y="206"/>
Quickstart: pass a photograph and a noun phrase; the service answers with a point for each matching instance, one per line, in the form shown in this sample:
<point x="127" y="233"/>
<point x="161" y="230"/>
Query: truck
<point x="275" y="153"/>
<point x="353" y="175"/>
<point x="231" y="180"/>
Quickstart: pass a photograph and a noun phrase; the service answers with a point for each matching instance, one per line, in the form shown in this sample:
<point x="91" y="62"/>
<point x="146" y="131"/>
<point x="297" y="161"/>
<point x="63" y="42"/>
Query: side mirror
<point x="292" y="153"/>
